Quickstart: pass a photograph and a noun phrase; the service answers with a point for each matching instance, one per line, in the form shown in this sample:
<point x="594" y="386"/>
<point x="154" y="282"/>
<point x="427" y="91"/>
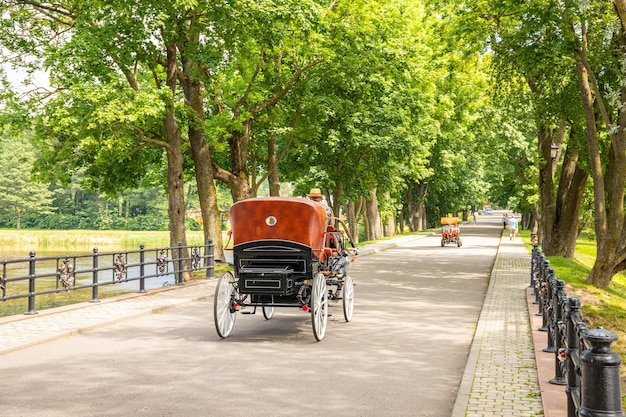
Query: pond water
<point x="14" y="263"/>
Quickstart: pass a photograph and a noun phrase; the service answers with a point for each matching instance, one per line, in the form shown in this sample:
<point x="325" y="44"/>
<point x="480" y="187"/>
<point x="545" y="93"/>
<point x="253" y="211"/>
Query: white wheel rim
<point x="319" y="308"/>
<point x="348" y="298"/>
<point x="224" y="317"/>
<point x="268" y="312"/>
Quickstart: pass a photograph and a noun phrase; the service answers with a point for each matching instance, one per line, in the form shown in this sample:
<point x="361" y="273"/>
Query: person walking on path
<point x="504" y="221"/>
<point x="475" y="216"/>
<point x="512" y="227"/>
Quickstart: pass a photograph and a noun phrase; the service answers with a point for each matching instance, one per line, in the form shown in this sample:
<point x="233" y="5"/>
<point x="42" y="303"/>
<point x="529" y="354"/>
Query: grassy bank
<point x="604" y="307"/>
<point x="69" y="239"/>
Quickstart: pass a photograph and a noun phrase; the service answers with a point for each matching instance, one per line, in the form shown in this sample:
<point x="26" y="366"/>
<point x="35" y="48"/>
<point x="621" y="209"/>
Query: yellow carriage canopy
<point x="450" y="221"/>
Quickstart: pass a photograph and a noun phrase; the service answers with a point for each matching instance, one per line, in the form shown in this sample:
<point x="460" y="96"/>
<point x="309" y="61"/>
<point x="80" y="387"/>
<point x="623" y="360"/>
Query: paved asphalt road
<point x="403" y="354"/>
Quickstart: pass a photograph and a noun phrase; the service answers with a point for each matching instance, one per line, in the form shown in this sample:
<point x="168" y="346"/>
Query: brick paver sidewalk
<point x="501" y="377"/>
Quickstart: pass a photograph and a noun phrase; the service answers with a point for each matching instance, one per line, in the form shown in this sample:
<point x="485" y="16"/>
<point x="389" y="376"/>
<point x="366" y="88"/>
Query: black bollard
<point x="533" y="265"/>
<point x="600" y="388"/>
<point x="546" y="295"/>
<point x="559" y="349"/>
<point x="572" y="318"/>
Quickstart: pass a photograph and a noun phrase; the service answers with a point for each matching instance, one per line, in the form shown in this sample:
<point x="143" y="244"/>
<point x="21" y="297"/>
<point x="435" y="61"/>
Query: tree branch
<point x="276" y="98"/>
<point x="148" y="140"/>
<point x="247" y="92"/>
<point x="49" y="11"/>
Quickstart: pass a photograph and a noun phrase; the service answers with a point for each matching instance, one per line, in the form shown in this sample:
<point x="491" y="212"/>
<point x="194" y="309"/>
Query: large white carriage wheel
<point x="223" y="311"/>
<point x="348" y="297"/>
<point x="268" y="312"/>
<point x="319" y="306"/>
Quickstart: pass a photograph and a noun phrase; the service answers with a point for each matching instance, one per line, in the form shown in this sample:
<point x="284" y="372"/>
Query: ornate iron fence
<point x="56" y="274"/>
<point x="583" y="359"/>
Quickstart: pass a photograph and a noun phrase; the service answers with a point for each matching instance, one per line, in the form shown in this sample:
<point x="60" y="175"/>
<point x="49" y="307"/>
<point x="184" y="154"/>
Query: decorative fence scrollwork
<point x="162" y="262"/>
<point x="195" y="259"/>
<point x="119" y="267"/>
<point x="66" y="275"/>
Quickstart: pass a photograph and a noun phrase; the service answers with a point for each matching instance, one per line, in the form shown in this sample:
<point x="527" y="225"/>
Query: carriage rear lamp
<point x="305" y="308"/>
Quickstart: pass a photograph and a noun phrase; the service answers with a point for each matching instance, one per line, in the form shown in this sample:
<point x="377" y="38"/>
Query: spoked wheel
<point x="459" y="243"/>
<point x="223" y="305"/>
<point x="319" y="306"/>
<point x="348" y="297"/>
<point x="268" y="312"/>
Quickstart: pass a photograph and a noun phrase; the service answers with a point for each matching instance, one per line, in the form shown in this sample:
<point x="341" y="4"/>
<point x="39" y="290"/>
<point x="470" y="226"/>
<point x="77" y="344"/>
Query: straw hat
<point x="315" y="192"/>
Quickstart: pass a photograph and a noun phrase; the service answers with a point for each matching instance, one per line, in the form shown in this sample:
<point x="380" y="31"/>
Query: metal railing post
<point x="550" y="310"/>
<point x="545" y="295"/>
<point x="179" y="273"/>
<point x="31" y="284"/>
<point x="559" y="378"/>
<point x="210" y="257"/>
<point x="538" y="283"/>
<point x="94" y="276"/>
<point x="573" y="379"/>
<point x="142" y="268"/>
<point x="533" y="265"/>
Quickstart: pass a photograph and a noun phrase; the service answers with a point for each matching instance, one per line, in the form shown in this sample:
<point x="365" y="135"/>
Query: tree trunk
<point x="389" y="227"/>
<point x="411" y="208"/>
<point x="237" y="178"/>
<point x="373" y="217"/>
<point x="272" y="166"/>
<point x="401" y="220"/>
<point x="353" y="222"/>
<point x="546" y="137"/>
<point x="201" y="156"/>
<point x="416" y="209"/>
<point x="609" y="189"/>
<point x="571" y="189"/>
<point x="366" y="220"/>
<point x="175" y="184"/>
<point x="422" y="190"/>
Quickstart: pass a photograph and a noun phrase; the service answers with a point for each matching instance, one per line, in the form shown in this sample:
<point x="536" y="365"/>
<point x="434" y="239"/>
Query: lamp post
<point x="554" y="157"/>
<point x="554" y="152"/>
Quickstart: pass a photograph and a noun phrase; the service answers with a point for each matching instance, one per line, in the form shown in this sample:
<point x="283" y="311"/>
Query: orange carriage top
<point x="279" y="218"/>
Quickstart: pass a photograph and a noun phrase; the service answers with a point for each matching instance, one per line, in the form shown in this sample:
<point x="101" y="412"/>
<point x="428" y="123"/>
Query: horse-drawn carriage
<point x="450" y="232"/>
<point x="286" y="253"/>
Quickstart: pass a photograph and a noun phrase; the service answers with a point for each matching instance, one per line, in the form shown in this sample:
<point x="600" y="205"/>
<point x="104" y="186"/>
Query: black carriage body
<point x="285" y="254"/>
<point x="274" y="267"/>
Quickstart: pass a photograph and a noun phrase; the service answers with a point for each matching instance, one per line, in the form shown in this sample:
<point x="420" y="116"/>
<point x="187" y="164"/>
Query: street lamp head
<point x="554" y="151"/>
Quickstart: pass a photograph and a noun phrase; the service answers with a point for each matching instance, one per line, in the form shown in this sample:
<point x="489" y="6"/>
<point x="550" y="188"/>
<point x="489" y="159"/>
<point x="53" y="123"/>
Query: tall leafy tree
<point x="528" y="43"/>
<point x="363" y="116"/>
<point x="599" y="32"/>
<point x="277" y="45"/>
<point x="116" y="92"/>
<point x="20" y="193"/>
